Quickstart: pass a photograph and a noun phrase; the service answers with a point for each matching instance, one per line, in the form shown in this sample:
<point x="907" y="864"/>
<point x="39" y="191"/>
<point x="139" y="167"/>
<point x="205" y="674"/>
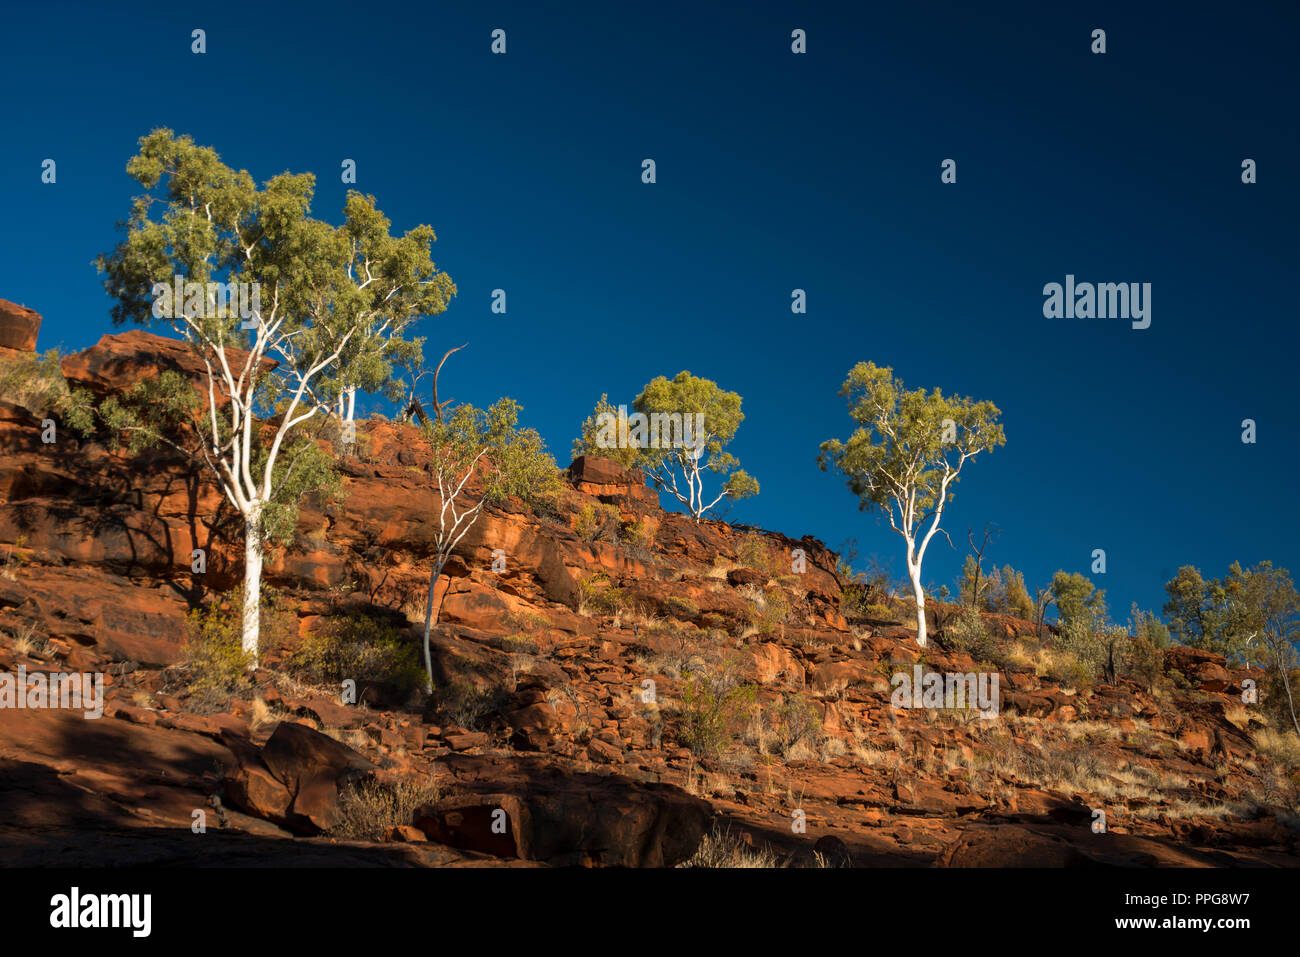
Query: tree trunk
<point x="919" y="592"/>
<point x="1286" y="683"/>
<point x="428" y="620"/>
<point x="253" y="552"/>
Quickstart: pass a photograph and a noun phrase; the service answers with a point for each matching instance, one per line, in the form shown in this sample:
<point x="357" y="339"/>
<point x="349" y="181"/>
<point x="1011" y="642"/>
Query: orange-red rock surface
<point x="96" y="553"/>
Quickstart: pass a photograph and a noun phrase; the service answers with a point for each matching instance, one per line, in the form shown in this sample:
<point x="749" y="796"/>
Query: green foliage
<point x="1010" y="596"/>
<point x="756" y="552"/>
<point x="591" y="443"/>
<point x="794" y="722"/>
<point x="1197" y="612"/>
<point x="637" y="536"/>
<point x="678" y="471"/>
<point x="597" y="522"/>
<point x="1078" y="600"/>
<point x="900" y="440"/>
<point x="906" y="454"/>
<point x="512" y="461"/>
<point x="469" y="706"/>
<point x="769" y="611"/>
<point x="36" y="383"/>
<point x="1071" y="673"/>
<point x="155" y="411"/>
<point x="318" y="308"/>
<point x="167" y="410"/>
<point x="1147" y="626"/>
<point x="682" y="608"/>
<point x="1080" y="639"/>
<point x="966" y="632"/>
<point x="675" y="470"/>
<point x="1002" y="591"/>
<point x="1277" y="695"/>
<point x="714" y="709"/>
<point x="597" y="595"/>
<point x="212" y="654"/>
<point x="1246" y="615"/>
<point x="359" y="648"/>
<point x="864" y="594"/>
<point x="321" y="282"/>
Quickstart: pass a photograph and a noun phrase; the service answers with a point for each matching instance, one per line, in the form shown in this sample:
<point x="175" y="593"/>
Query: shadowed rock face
<point x="544" y="744"/>
<point x="19" y="327"/>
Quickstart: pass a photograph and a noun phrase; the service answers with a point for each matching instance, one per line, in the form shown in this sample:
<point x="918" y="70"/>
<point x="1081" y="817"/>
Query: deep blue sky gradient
<point x="775" y="171"/>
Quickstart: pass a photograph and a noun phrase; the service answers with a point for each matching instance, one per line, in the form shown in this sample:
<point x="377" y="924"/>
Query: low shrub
<point x="362" y="649"/>
<point x="597" y="595"/>
<point x="681" y="608"/>
<point x="967" y="632"/>
<point x="714" y="709"/>
<point x="597" y="523"/>
<point x="469" y="706"/>
<point x="369" y="809"/>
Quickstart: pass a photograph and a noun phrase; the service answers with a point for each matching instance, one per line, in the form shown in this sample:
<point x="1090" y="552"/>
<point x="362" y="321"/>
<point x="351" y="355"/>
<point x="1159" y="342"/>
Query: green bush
<point x="596" y="595"/>
<point x="636" y="535"/>
<point x="796" y="722"/>
<point x="967" y="632"/>
<point x="213" y="655"/>
<point x="1081" y="638"/>
<point x="756" y="552"/>
<point x="864" y="593"/>
<point x="714" y="709"/>
<point x="1071" y="673"/>
<point x="362" y="649"/>
<point x="597" y="523"/>
<point x="37" y="384"/>
<point x="681" y="607"/>
<point x="769" y="611"/>
<point x="469" y="706"/>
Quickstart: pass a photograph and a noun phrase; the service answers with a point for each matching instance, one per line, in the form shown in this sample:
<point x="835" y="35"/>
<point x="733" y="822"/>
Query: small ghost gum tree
<point x="679" y="469"/>
<point x="318" y="307"/>
<point x="508" y="460"/>
<point x="906" y="454"/>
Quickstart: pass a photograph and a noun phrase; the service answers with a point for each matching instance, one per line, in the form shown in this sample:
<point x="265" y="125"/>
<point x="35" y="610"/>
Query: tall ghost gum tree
<point x="508" y="461"/>
<point x="906" y="454"/>
<point x="320" y="303"/>
<point x="679" y="470"/>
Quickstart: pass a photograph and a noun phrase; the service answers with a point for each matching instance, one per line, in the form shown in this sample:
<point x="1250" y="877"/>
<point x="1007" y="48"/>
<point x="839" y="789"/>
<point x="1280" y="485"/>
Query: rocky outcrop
<point x="558" y="731"/>
<point x="19" y="327"/>
<point x="119" y="361"/>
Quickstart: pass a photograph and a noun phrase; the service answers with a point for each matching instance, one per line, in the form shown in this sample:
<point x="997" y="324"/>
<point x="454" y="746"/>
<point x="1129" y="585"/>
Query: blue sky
<point x="775" y="172"/>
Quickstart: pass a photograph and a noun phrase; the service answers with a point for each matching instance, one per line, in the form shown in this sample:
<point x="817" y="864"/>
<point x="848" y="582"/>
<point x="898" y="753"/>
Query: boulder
<point x="564" y="818"/>
<point x="312" y="768"/>
<point x="609" y="481"/>
<point x="745" y="576"/>
<point x="18" y="326"/>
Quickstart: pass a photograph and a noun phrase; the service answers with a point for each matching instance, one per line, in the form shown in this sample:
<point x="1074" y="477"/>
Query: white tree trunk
<point x="914" y="573"/>
<point x="352" y="405"/>
<point x="428" y="619"/>
<point x="253" y="553"/>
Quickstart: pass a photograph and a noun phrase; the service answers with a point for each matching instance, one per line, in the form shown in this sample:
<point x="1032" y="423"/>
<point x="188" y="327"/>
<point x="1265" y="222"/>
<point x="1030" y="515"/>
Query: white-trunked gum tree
<point x="466" y="443"/>
<point x="677" y="432"/>
<point x="906" y="454"/>
<point x="287" y="314"/>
